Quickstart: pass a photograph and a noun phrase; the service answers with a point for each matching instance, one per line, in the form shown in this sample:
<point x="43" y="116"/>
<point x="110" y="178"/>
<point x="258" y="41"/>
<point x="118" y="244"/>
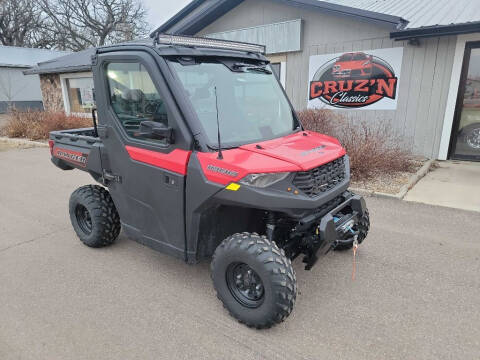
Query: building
<point x="412" y="52"/>
<point x="16" y="89"/>
<point x="67" y="82"/>
<point x="414" y="64"/>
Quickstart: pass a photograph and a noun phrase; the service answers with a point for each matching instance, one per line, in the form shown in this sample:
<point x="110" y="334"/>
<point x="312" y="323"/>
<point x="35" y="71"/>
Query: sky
<point x="159" y="11"/>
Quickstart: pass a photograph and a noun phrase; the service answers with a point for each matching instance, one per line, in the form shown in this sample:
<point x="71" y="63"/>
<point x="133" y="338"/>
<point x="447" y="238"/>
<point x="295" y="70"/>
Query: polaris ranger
<point x="203" y="157"/>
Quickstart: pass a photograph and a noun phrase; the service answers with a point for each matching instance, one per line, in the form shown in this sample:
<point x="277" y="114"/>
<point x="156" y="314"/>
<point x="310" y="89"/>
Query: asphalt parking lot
<point x="416" y="296"/>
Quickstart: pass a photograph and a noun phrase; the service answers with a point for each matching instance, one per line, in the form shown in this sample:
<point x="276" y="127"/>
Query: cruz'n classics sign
<point x="366" y="80"/>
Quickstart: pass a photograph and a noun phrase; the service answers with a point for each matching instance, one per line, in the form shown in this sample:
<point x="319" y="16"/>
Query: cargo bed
<point x="77" y="149"/>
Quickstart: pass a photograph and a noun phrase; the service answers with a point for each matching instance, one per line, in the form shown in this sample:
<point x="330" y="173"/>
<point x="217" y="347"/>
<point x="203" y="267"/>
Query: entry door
<point x="148" y="175"/>
<point x="465" y="140"/>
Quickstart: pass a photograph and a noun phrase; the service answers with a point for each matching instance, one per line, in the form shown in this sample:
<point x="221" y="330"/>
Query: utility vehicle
<point x="200" y="155"/>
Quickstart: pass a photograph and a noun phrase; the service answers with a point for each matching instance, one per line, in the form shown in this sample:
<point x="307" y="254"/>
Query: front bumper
<point x="327" y="226"/>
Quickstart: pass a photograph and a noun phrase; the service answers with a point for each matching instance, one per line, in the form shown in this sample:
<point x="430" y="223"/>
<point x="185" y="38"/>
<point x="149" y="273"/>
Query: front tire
<point x="254" y="279"/>
<point x="94" y="216"/>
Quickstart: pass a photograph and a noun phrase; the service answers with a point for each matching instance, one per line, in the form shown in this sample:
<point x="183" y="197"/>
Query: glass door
<point x="465" y="141"/>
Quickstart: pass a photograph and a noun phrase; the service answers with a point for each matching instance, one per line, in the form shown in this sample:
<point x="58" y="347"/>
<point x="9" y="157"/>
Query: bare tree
<point x="22" y="23"/>
<point x="79" y="24"/>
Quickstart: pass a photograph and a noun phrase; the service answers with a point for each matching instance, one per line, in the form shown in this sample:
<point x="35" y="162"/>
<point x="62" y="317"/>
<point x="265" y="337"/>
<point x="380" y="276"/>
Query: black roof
<point x="75" y="62"/>
<point x="82" y="60"/>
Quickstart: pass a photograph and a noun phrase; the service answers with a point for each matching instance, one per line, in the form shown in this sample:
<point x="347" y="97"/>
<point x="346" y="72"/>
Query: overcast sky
<point x="160" y="11"/>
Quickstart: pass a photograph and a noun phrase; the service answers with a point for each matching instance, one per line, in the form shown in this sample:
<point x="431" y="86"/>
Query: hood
<point x="301" y="151"/>
<point x="305" y="149"/>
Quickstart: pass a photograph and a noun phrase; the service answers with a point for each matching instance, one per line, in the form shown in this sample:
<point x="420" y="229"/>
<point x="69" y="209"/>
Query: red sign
<point x="353" y="80"/>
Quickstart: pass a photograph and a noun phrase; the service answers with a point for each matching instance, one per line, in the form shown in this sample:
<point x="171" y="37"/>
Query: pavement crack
<point x="2" y="250"/>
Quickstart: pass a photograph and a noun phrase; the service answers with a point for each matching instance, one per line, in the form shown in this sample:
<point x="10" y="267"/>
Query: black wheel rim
<point x="245" y="285"/>
<point x="84" y="219"/>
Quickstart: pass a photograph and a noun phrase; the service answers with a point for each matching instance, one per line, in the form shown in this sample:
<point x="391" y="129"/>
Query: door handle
<point x="108" y="176"/>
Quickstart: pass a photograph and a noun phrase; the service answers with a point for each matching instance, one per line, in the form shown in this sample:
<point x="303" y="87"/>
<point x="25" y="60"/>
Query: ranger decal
<point x="220" y="170"/>
<point x="71" y="156"/>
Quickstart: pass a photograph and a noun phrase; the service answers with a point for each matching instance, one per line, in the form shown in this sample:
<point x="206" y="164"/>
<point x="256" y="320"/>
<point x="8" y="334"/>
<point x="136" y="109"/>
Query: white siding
<point x="14" y="86"/>
<point x="282" y="37"/>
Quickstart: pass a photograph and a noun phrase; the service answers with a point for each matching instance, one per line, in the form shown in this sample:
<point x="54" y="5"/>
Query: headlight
<point x="263" y="179"/>
<point x="366" y="63"/>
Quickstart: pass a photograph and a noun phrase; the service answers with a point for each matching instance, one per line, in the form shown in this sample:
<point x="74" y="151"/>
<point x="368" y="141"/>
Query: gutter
<point x="177" y="17"/>
<point x="59" y="70"/>
<point x="344" y="10"/>
<point x="436" y="30"/>
<point x="216" y="10"/>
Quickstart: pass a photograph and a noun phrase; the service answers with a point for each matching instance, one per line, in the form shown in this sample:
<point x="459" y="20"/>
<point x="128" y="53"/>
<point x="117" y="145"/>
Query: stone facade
<point x="51" y="92"/>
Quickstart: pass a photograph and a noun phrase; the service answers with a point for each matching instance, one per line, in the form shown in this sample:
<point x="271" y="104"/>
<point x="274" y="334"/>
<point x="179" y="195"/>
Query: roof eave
<point x="16" y="66"/>
<point x="436" y="30"/>
<point x="177" y="17"/>
<point x="60" y="70"/>
<point x="208" y="16"/>
<point x="342" y="10"/>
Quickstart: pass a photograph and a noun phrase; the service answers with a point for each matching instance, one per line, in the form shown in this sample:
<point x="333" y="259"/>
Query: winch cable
<point x="355" y="248"/>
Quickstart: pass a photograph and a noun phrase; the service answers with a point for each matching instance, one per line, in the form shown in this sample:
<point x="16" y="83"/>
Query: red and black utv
<point x="203" y="157"/>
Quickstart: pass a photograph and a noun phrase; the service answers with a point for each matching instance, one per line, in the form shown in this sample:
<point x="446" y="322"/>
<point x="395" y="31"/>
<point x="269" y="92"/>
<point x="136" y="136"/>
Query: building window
<point x="77" y="92"/>
<point x="278" y="64"/>
<point x="277" y="68"/>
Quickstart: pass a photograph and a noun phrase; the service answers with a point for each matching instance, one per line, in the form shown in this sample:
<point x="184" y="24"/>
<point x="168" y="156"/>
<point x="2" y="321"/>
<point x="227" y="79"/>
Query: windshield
<point x="251" y="105"/>
<point x="359" y="56"/>
<point x="345" y="57"/>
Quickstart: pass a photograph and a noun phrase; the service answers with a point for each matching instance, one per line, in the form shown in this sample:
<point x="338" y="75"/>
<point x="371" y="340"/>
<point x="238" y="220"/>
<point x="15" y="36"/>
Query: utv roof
<point x="82" y="60"/>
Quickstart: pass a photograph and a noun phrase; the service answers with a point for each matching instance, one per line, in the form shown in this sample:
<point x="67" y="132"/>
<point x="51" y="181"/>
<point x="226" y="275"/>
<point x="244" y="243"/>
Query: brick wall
<point x="51" y="92"/>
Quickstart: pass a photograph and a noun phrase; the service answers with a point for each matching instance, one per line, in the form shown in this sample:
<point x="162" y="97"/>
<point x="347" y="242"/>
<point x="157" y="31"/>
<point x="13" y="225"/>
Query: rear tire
<point x="254" y="279"/>
<point x="94" y="216"/>
<point x="363" y="226"/>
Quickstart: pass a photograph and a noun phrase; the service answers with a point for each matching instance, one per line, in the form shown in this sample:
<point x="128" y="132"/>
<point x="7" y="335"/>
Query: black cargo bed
<point x="77" y="148"/>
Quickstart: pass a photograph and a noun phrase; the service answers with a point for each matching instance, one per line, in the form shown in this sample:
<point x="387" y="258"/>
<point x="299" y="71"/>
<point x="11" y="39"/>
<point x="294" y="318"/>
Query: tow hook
<point x="355" y="248"/>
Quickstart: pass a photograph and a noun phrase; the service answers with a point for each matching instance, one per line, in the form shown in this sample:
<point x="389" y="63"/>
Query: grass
<point x="36" y="125"/>
<point x="373" y="148"/>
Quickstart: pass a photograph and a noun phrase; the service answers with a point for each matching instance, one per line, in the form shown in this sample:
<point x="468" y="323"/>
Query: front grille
<point x="322" y="178"/>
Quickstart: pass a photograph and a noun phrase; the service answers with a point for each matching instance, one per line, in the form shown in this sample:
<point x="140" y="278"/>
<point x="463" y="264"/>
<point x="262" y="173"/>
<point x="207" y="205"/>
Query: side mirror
<point x="156" y="130"/>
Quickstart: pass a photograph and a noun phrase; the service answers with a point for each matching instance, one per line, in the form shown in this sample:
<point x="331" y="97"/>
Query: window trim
<point x="110" y="109"/>
<point x="282" y="60"/>
<point x="66" y="99"/>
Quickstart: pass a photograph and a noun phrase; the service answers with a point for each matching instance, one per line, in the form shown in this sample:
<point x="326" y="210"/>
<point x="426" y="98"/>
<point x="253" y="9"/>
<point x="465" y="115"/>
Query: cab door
<point x="145" y="172"/>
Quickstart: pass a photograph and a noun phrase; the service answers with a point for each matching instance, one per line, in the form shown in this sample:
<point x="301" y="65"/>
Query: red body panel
<point x="307" y="152"/>
<point x="239" y="163"/>
<point x="295" y="152"/>
<point x="175" y="161"/>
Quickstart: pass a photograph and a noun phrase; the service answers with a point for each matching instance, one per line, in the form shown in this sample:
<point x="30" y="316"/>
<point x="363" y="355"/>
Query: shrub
<point x="372" y="148"/>
<point x="35" y="125"/>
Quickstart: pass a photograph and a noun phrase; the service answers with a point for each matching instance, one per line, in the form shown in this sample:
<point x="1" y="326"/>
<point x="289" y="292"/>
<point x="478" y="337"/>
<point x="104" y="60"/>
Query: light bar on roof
<point x="181" y="40"/>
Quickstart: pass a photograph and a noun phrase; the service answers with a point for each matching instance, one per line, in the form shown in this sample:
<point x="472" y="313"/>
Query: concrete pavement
<point x="416" y="295"/>
<point x="453" y="183"/>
